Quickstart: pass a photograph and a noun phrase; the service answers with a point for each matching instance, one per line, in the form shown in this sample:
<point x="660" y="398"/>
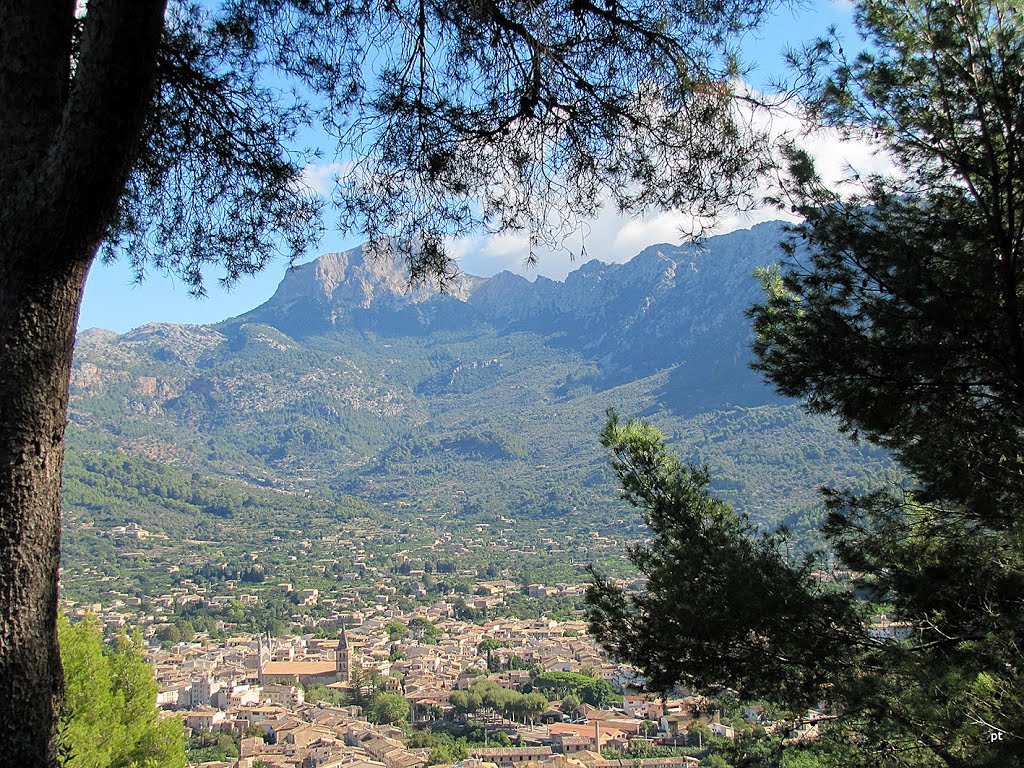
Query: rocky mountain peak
<point x="350" y="271"/>
<point x="359" y="279"/>
<point x="662" y="294"/>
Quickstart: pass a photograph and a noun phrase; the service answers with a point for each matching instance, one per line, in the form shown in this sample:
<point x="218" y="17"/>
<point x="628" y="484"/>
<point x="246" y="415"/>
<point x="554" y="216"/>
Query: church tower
<point x="343" y="672"/>
<point x="265" y="648"/>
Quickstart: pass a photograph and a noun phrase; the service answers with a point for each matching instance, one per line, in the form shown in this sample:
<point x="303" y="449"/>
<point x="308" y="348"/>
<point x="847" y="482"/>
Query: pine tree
<point x="898" y="312"/>
<point x="109" y="717"/>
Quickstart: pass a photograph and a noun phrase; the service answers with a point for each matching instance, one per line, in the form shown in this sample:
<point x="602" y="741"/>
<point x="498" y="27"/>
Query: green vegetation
<point x="331" y="696"/>
<point x="165" y="133"/>
<point x="211" y="747"/>
<point x="589" y="690"/>
<point x="369" y="692"/>
<point x="447" y="748"/>
<point x="640" y="750"/>
<point x="116" y="486"/>
<point x="444" y="748"/>
<point x="110" y="718"/>
<point x="218" y="512"/>
<point x="480" y="455"/>
<point x="424" y="630"/>
<point x="897" y="312"/>
<point x="396" y="630"/>
<point x="722" y="604"/>
<point x="487" y="694"/>
<point x="389" y="708"/>
<point x="897" y="316"/>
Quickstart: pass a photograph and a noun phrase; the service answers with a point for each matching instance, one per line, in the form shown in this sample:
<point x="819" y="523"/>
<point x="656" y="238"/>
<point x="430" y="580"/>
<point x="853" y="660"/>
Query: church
<point x="306" y="672"/>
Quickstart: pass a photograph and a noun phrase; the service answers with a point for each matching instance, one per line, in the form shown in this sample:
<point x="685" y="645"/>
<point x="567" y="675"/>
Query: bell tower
<point x="342" y="669"/>
<point x="265" y="646"/>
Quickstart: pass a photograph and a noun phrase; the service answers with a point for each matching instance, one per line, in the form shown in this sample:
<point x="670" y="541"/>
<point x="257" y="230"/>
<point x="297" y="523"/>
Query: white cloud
<point x="322" y="177"/>
<point x="614" y="237"/>
<point x="839" y="160"/>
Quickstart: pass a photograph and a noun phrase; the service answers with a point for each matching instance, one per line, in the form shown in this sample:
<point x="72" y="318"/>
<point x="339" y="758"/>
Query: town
<point x="396" y="659"/>
<point x="288" y="701"/>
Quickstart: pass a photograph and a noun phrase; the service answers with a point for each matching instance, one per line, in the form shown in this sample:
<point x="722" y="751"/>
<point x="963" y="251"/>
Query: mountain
<point x="669" y="307"/>
<point x="480" y="402"/>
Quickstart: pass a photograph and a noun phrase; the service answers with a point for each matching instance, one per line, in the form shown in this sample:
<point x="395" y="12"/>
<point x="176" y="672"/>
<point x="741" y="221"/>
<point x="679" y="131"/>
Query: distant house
<point x="643" y="706"/>
<point x="884" y="629"/>
<point x="569" y="744"/>
<point x="204" y="719"/>
<point x="558" y="664"/>
<point x="509" y="756"/>
<point x="285" y="695"/>
<point x="596" y="734"/>
<point x="723" y="731"/>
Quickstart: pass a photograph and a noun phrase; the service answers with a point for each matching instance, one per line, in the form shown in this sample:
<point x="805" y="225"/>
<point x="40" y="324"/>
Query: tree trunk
<point x="38" y="316"/>
<point x="68" y="138"/>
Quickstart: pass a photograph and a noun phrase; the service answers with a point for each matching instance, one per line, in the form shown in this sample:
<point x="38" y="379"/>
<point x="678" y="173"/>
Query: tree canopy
<point x="913" y="282"/>
<point x="442" y="117"/>
<point x="897" y="311"/>
<point x="110" y="718"/>
<point x="590" y="690"/>
<point x="723" y="606"/>
<point x="390" y="708"/>
<point x="487" y="694"/>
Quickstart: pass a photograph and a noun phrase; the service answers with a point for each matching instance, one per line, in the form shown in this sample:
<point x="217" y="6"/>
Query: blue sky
<point x="112" y="299"/>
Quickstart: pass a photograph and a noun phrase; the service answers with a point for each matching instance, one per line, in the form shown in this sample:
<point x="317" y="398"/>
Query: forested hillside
<point x="471" y="406"/>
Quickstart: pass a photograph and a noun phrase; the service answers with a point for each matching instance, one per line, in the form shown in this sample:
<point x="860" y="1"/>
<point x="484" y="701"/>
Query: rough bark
<point x="38" y="313"/>
<point x="67" y="141"/>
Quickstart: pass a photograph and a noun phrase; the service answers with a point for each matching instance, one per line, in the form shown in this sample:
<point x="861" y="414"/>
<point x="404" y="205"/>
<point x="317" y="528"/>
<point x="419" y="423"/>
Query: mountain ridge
<point x="488" y="397"/>
<point x="603" y="308"/>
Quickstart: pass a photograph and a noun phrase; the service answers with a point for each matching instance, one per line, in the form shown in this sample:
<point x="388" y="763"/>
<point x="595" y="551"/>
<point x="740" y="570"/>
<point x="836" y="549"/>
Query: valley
<point x="454" y="427"/>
